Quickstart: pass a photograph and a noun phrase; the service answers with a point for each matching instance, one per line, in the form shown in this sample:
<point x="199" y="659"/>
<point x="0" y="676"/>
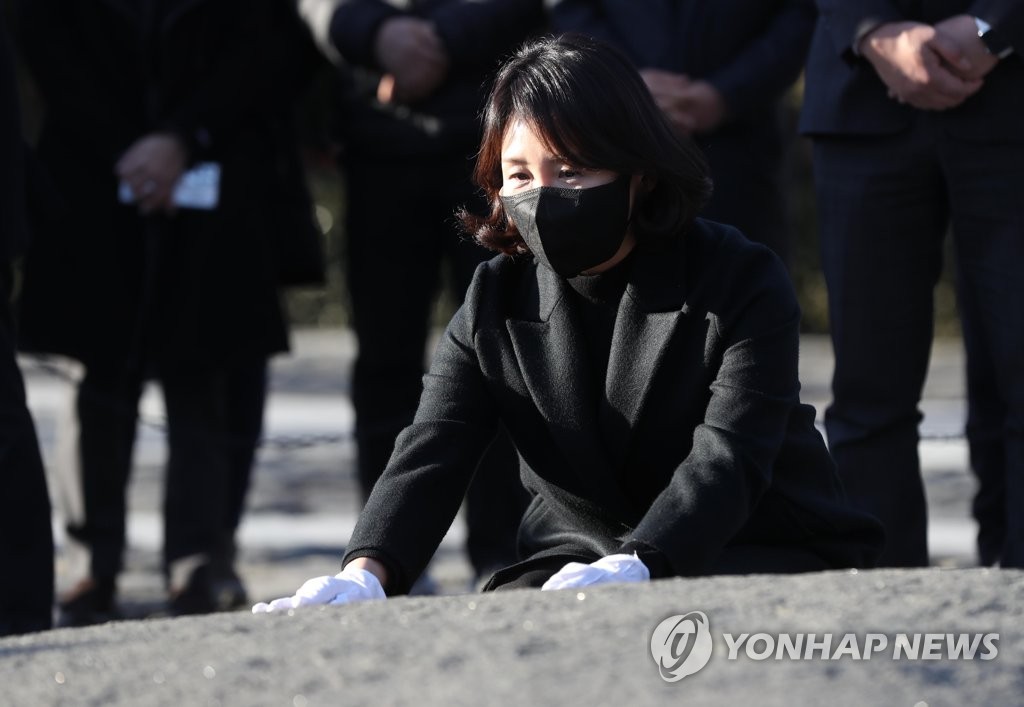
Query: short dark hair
<point x="587" y="101"/>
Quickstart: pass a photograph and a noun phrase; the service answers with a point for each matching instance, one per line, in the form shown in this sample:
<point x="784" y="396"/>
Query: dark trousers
<point x="397" y="249"/>
<point x="214" y="422"/>
<point x="26" y="540"/>
<point x="885" y="205"/>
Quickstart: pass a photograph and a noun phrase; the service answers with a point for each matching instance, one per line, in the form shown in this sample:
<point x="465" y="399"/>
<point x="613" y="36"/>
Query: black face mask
<point x="571" y="230"/>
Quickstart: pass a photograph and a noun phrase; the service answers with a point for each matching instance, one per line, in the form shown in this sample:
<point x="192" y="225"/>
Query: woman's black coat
<point x="698" y="442"/>
<point x="199" y="285"/>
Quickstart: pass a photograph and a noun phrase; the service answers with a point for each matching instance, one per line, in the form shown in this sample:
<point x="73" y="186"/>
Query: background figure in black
<point x="413" y="84"/>
<point x="916" y="121"/>
<point x="137" y="92"/>
<point x="719" y="69"/>
<point x="26" y="541"/>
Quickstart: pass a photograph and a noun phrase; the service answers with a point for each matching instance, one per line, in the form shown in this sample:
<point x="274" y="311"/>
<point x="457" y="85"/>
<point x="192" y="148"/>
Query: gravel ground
<point x="559" y="648"/>
<point x="517" y="647"/>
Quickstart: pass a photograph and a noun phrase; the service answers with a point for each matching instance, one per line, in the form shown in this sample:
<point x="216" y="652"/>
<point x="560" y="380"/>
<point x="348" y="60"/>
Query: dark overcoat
<point x="698" y="441"/>
<point x="203" y="285"/>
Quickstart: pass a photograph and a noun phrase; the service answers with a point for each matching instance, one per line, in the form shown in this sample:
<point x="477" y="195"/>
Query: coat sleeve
<point x="1006" y="16"/>
<point x="714" y="491"/>
<point x="415" y="501"/>
<point x="473" y="31"/>
<point x="771" y="62"/>
<point x="476" y="33"/>
<point x="846" y="21"/>
<point x="346" y="30"/>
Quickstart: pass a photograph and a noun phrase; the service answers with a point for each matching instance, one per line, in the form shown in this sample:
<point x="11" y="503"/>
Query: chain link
<point x="297" y="442"/>
<point x="158" y="423"/>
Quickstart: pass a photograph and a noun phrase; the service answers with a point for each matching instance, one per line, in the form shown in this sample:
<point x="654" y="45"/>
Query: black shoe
<point x="228" y="590"/>
<point x="89" y="602"/>
<point x="196" y="596"/>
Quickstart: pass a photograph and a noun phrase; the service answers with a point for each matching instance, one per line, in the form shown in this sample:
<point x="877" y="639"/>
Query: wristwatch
<point x="995" y="43"/>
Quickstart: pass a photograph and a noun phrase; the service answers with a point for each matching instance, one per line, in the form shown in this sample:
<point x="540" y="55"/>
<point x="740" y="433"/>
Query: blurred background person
<point x="138" y="281"/>
<point x="915" y="113"/>
<point x="412" y="77"/>
<point x="26" y="539"/>
<point x="719" y="69"/>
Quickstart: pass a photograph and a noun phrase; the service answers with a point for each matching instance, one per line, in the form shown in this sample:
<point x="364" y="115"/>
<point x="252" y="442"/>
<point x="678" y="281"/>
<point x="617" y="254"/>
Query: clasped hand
<point x="692" y="106"/>
<point x="929" y="67"/>
<point x="152" y="167"/>
<point x="413" y="58"/>
<point x="350" y="585"/>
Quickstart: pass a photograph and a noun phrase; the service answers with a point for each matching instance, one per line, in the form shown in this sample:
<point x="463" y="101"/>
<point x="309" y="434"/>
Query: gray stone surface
<point x="547" y="648"/>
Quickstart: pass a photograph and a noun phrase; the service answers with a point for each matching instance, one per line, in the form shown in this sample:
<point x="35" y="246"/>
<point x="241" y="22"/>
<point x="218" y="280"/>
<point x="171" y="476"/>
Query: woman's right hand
<point x="352" y="584"/>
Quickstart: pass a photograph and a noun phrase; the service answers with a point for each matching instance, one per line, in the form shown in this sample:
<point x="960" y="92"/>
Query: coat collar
<point x="556" y="368"/>
<point x="656" y="282"/>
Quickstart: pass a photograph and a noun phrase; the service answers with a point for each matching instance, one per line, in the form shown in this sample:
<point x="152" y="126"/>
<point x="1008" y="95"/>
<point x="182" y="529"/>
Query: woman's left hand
<point x="607" y="570"/>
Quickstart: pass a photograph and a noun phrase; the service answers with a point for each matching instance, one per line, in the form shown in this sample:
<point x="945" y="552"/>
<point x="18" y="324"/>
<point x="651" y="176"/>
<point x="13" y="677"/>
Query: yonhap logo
<point x="681" y="645"/>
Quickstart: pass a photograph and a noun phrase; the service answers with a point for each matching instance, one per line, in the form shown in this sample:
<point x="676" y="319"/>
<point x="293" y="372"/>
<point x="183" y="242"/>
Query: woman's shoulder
<point x="714" y="251"/>
<point x="500" y="281"/>
<point x="726" y="272"/>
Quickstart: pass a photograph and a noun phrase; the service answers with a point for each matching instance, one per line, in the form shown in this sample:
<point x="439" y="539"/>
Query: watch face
<point x="993" y="41"/>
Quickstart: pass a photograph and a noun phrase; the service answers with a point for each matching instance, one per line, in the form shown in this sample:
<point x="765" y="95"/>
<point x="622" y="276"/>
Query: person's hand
<point x="962" y="30"/>
<point x="352" y="584"/>
<point x="921" y="66"/>
<point x="413" y="58"/>
<point x="607" y="570"/>
<point x="703" y="106"/>
<point x="669" y="89"/>
<point x="152" y="167"/>
<point x="692" y="106"/>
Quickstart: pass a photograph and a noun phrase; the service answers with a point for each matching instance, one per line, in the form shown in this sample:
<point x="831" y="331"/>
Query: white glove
<point x="609" y="569"/>
<point x="350" y="585"/>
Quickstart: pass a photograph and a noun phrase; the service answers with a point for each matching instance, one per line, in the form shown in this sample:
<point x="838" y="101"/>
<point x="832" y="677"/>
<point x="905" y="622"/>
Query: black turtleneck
<point x="597" y="300"/>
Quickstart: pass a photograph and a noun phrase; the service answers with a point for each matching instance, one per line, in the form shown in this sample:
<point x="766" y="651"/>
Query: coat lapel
<point x="648" y="315"/>
<point x="556" y="370"/>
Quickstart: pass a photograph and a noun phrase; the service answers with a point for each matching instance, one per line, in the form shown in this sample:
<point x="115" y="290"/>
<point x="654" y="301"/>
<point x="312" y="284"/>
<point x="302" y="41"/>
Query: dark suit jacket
<point x="844" y="95"/>
<point x="751" y="51"/>
<point x="703" y="441"/>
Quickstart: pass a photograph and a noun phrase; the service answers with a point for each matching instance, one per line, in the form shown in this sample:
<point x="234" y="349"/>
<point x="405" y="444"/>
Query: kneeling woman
<point x="644" y="362"/>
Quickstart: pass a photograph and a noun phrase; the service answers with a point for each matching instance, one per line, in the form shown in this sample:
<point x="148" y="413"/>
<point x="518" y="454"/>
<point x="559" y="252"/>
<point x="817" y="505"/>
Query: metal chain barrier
<point x="296" y="442"/>
<point x="158" y="423"/>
